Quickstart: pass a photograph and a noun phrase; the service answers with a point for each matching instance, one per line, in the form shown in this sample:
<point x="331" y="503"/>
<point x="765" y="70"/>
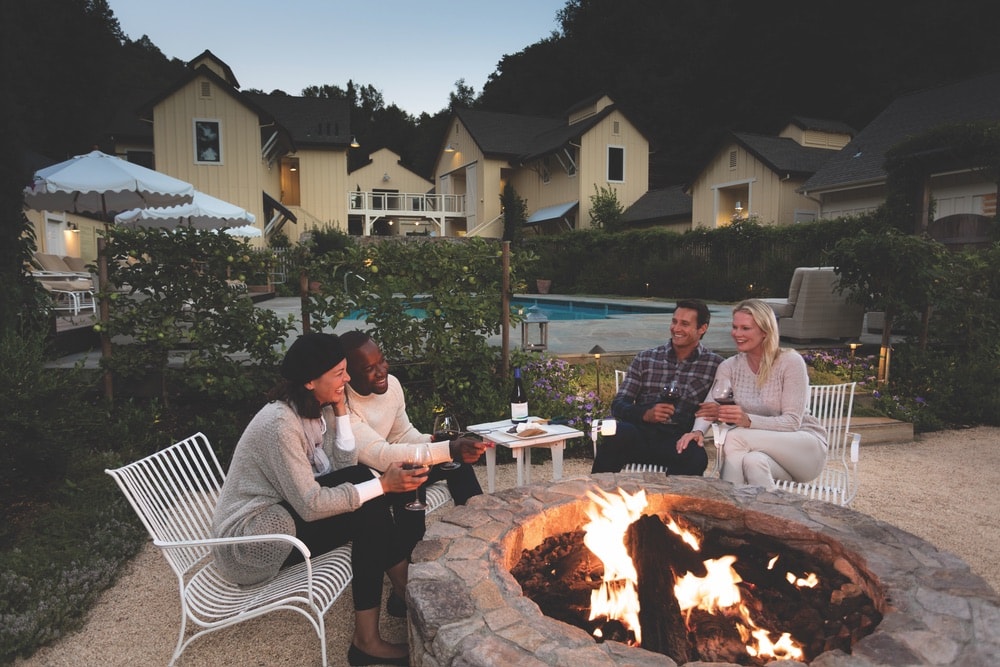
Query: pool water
<point x="569" y="309"/>
<point x="562" y="309"/>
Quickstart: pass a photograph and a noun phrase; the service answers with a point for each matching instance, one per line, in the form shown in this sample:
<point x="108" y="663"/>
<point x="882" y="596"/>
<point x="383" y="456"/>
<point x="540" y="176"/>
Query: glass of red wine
<point x="722" y="392"/>
<point x="671" y="394"/>
<point x="420" y="457"/>
<point x="446" y="428"/>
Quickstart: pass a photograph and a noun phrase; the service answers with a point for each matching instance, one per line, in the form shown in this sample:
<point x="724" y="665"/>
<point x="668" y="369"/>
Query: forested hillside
<point x="686" y="71"/>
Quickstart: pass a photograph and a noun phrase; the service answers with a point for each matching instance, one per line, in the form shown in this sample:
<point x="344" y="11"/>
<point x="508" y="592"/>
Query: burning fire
<point x="618" y="595"/>
<point x="716" y="593"/>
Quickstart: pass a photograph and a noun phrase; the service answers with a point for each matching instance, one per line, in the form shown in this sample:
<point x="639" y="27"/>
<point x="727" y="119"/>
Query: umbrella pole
<point x="102" y="283"/>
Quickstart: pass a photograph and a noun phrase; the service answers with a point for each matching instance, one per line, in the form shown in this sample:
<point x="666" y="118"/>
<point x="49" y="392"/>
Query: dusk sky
<point x="413" y="51"/>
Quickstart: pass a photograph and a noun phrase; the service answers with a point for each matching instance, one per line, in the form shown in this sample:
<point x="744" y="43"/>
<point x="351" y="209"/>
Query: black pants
<point x="376" y="542"/>
<point x="462" y="484"/>
<point x="649" y="443"/>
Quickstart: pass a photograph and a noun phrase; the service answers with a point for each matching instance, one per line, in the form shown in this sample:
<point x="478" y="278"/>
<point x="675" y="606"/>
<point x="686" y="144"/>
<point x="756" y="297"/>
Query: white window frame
<point x="195" y="123"/>
<point x="607" y="170"/>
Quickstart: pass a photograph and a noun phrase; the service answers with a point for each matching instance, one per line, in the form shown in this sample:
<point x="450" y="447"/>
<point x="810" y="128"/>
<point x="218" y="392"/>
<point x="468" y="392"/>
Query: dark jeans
<point x="649" y="443"/>
<point x="462" y="484"/>
<point x="376" y="542"/>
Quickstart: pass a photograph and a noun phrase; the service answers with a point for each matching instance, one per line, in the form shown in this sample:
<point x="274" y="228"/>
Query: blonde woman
<point x="774" y="437"/>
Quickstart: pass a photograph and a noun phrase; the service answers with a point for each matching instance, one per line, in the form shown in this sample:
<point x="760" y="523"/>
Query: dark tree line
<point x="685" y="71"/>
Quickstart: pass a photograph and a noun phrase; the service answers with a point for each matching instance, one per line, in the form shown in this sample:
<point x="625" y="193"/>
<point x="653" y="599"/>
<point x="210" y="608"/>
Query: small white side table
<point x="554" y="439"/>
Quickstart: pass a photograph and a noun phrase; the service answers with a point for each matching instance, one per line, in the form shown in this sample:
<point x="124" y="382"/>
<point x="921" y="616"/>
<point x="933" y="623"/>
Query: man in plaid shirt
<point x="648" y="429"/>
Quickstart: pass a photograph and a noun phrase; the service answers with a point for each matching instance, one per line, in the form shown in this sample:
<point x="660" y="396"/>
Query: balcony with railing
<point x="418" y="204"/>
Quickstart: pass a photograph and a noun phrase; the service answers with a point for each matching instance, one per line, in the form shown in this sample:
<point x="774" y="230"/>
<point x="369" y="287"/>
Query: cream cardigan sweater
<point x="381" y="425"/>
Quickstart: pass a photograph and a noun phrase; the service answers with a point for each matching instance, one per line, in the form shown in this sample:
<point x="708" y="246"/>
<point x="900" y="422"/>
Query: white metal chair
<point x="619" y="378"/>
<point x="174" y="492"/>
<point x="838" y="482"/>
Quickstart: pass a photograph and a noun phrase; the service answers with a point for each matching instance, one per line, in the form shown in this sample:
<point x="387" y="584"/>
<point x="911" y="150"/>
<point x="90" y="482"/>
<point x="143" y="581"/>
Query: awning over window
<point x="557" y="212"/>
<point x="276" y="214"/>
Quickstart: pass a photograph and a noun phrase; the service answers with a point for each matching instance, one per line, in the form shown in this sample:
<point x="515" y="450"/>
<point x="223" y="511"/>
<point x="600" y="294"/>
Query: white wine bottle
<point x="518" y="400"/>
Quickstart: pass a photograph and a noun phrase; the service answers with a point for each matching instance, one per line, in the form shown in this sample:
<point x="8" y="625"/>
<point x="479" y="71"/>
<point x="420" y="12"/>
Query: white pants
<point x="757" y="457"/>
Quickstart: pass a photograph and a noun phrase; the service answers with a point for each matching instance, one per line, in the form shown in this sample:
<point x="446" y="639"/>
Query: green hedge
<point x="726" y="264"/>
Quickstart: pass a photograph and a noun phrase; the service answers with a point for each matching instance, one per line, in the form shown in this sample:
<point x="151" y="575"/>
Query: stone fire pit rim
<point x="466" y="606"/>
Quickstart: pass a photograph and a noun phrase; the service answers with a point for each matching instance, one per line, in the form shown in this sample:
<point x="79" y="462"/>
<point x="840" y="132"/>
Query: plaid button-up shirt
<point x="653" y="369"/>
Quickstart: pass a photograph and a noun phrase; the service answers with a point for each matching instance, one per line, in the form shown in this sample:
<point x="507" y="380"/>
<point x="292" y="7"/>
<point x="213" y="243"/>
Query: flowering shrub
<point x="838" y="363"/>
<point x="912" y="410"/>
<point x="555" y="391"/>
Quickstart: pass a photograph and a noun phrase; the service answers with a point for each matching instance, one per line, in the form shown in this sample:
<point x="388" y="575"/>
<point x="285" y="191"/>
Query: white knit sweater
<point x="380" y="425"/>
<point x="780" y="403"/>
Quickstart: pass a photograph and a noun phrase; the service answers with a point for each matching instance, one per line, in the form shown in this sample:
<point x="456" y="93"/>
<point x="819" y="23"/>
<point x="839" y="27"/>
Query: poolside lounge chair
<point x="72" y="291"/>
<point x="814" y="309"/>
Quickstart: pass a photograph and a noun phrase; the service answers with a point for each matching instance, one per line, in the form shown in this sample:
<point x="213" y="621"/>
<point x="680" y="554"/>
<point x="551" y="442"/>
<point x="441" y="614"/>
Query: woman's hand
<point x="397" y="480"/>
<point x="734" y="415"/>
<point x="694" y="436"/>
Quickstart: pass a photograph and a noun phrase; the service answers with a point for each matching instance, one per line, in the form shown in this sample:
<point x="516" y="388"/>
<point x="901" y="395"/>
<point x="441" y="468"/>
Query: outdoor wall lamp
<point x="739" y="207"/>
<point x="73" y="227"/>
<point x="354" y="143"/>
<point x="385" y="176"/>
<point x="450" y="148"/>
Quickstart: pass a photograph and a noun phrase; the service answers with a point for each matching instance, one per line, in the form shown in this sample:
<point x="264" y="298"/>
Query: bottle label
<point x="519" y="412"/>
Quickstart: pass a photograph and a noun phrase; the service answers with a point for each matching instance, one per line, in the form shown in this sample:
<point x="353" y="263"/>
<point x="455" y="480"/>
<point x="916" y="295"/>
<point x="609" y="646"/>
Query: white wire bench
<point x="174" y="492"/>
<point x="838" y="482"/>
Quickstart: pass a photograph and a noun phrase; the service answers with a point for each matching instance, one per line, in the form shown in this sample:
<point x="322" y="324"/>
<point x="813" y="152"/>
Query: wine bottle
<point x="518" y="400"/>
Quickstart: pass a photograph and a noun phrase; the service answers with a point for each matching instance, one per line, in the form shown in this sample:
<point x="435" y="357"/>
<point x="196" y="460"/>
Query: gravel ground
<point x="941" y="487"/>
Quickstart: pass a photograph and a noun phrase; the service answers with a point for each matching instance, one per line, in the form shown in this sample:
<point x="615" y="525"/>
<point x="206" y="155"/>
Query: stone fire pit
<point x="467" y="609"/>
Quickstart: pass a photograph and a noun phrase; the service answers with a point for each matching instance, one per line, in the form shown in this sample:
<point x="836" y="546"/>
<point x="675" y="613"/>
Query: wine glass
<point x="671" y="394"/>
<point x="420" y="457"/>
<point x="446" y="428"/>
<point x="722" y="392"/>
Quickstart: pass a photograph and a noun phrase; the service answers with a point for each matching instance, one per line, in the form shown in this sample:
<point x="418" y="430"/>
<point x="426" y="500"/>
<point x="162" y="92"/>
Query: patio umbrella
<point x="248" y="231"/>
<point x="102" y="183"/>
<point x="204" y="212"/>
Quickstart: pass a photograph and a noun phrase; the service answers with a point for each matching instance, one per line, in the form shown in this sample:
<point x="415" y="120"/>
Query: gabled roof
<point x="783" y="155"/>
<point x="660" y="204"/>
<point x="306" y="121"/>
<point x="861" y="161"/>
<point x="821" y="125"/>
<point x="503" y="134"/>
<point x="311" y="121"/>
<point x="554" y="139"/>
<point x="520" y="138"/>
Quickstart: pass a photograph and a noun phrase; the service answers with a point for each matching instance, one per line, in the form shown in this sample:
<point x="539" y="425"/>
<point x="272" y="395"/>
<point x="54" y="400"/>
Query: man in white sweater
<point x="381" y="426"/>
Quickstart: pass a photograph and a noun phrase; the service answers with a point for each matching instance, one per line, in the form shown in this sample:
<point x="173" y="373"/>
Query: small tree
<point x="606" y="211"/>
<point x="515" y="212"/>
<point x="885" y="269"/>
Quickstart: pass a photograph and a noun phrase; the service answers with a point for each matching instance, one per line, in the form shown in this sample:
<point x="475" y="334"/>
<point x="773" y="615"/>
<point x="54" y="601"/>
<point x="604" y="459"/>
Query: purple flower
<point x="920" y="399"/>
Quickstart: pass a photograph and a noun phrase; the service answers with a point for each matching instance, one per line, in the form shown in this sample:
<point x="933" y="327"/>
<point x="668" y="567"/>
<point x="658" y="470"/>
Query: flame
<point x="618" y="596"/>
<point x="716" y="593"/>
<point x="809" y="581"/>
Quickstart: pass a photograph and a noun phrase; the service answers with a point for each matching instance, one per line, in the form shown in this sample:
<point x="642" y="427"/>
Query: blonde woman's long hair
<point x="763" y="317"/>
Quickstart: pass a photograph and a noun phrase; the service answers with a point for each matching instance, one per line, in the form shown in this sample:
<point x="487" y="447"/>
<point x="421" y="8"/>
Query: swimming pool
<point x="575" y="309"/>
<point x="563" y="309"/>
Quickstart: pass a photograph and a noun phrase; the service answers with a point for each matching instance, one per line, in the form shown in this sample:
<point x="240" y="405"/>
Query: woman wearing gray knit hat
<point x="295" y="471"/>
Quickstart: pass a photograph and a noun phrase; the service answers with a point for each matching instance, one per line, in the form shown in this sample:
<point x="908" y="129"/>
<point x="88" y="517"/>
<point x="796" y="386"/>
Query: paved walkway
<point x="618" y="335"/>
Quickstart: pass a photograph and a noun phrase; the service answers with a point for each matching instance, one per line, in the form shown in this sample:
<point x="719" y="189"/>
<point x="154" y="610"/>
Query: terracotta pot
<point x="543" y="285"/>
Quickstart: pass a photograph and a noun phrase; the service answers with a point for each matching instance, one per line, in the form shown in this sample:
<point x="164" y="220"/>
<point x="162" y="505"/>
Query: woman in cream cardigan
<point x="295" y="471"/>
<point x="773" y="437"/>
